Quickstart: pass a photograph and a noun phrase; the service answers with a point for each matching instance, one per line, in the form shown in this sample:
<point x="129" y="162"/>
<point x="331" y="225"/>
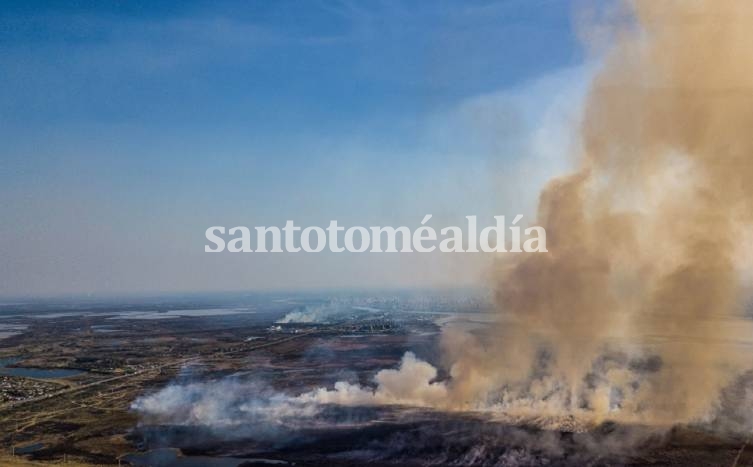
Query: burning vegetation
<point x="635" y="315"/>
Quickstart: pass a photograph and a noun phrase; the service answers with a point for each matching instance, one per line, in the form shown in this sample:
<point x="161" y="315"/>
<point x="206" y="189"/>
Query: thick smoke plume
<point x="634" y="313"/>
<point x="411" y="384"/>
<point x="232" y="403"/>
<point x="643" y="237"/>
<point x="630" y="316"/>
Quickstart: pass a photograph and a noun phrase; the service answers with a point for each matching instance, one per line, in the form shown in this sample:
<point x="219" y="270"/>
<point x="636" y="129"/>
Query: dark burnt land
<point x="115" y="352"/>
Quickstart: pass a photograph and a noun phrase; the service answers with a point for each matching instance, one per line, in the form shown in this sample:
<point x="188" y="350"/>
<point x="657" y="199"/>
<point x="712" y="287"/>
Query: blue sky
<point x="127" y="128"/>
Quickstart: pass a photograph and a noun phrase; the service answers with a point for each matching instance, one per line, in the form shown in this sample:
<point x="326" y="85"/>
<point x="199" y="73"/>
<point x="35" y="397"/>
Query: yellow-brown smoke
<point x="642" y="238"/>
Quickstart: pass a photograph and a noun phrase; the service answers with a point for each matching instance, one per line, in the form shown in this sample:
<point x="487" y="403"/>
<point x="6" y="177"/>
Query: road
<point x="180" y="362"/>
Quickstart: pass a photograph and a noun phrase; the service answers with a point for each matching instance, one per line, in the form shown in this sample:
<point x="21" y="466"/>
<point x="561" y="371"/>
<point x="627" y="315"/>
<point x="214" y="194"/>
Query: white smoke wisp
<point x="412" y="384"/>
<point x="237" y="408"/>
<point x="232" y="403"/>
<point x="222" y="404"/>
<point x="332" y="311"/>
<point x="308" y="315"/>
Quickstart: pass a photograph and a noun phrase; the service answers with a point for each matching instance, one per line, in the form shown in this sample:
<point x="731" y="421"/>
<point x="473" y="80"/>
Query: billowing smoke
<point x="411" y="384"/>
<point x="332" y="311"/>
<point x="630" y="314"/>
<point x="230" y="405"/>
<point x="635" y="311"/>
<point x="234" y="407"/>
<point x="320" y="314"/>
<point x="232" y="402"/>
<point x="643" y="236"/>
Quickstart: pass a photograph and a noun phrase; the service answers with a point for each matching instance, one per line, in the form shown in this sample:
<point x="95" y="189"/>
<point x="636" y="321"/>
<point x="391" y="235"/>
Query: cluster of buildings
<point x="14" y="388"/>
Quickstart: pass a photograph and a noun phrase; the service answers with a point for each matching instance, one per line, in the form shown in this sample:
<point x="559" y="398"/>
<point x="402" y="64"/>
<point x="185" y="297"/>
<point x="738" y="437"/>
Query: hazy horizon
<point x="130" y="128"/>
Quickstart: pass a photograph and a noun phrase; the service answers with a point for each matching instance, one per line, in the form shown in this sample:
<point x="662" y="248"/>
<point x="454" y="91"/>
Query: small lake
<point x="39" y="373"/>
<point x="10" y="330"/>
<point x="31" y="448"/>
<point x="190" y="313"/>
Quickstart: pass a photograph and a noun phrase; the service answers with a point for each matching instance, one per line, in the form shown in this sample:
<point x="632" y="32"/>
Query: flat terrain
<point x="120" y="352"/>
<point x="71" y="374"/>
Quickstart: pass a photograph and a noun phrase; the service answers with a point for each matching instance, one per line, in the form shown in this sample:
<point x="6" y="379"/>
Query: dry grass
<point x="17" y="461"/>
